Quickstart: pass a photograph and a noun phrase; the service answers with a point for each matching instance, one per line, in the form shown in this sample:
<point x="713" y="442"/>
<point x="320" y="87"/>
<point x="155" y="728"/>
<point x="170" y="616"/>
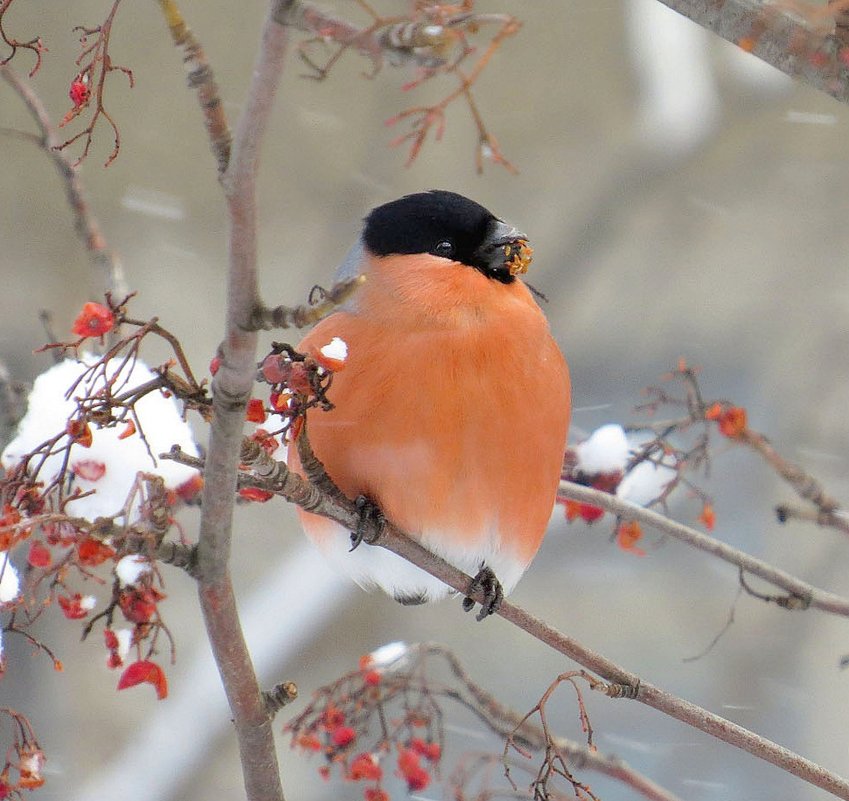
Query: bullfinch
<point x="452" y="409"/>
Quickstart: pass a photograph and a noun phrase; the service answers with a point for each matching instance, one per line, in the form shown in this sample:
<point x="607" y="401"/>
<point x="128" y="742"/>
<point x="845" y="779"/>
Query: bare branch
<point x="794" y="37"/>
<point x="807" y="595"/>
<point x="828" y="511"/>
<point x="202" y="80"/>
<point x="231" y="391"/>
<point x="35" y="44"/>
<point x="96" y="64"/>
<point x="265" y="318"/>
<point x="506" y="722"/>
<point x="279" y="696"/>
<point x="433" y="37"/>
<point x="85" y="223"/>
<point x="179" y="555"/>
<point x="836" y="519"/>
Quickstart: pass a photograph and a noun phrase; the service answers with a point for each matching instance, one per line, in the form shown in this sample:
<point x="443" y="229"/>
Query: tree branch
<point x="311" y="19"/>
<point x="808" y="596"/>
<point x="836" y="519"/>
<point x="85" y="223"/>
<point x="232" y="387"/>
<point x="265" y="318"/>
<point x="202" y="80"/>
<point x="828" y="511"/>
<point x="793" y="37"/>
<point x="506" y="723"/>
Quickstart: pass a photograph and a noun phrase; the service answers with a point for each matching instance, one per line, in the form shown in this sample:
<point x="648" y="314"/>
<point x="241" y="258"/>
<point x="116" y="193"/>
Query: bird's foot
<point x="368" y="511"/>
<point x="486" y="581"/>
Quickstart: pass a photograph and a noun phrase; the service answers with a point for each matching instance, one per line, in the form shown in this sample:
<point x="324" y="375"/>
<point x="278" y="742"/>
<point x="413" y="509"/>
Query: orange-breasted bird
<point x="452" y="410"/>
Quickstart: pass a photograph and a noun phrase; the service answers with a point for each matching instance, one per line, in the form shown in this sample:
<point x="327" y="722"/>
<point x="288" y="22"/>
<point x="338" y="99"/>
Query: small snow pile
<point x="601" y="462"/>
<point x="388" y="658"/>
<point x="604" y="451"/>
<point x="109" y="466"/>
<point x="336" y="349"/>
<point x="391" y="655"/>
<point x="333" y="355"/>
<point x="645" y="483"/>
<point x="598" y="462"/>
<point x="131" y="568"/>
<point x="10" y="584"/>
<point x="125" y="640"/>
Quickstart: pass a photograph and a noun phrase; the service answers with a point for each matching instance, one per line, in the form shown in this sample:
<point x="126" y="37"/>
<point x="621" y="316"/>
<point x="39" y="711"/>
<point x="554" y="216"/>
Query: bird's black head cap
<point x="438" y="222"/>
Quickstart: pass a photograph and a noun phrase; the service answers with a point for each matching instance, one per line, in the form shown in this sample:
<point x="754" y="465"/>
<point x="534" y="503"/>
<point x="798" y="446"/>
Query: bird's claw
<point x="368" y="511"/>
<point x="487" y="582"/>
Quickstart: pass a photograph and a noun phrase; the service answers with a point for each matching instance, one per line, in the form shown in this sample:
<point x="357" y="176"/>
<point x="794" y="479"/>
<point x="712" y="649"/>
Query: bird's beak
<point x="506" y="251"/>
<point x="502" y="233"/>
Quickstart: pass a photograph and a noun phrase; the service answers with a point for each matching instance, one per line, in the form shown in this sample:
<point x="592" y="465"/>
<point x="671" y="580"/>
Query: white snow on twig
<point x="110" y="465"/>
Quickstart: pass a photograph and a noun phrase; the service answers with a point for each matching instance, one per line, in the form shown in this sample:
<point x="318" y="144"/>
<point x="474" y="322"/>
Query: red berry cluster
<point x="338" y="725"/>
<point x="298" y="382"/>
<point x="410" y="766"/>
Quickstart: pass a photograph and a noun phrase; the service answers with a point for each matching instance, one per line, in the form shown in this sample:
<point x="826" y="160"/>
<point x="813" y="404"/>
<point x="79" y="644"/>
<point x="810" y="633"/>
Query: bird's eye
<point x="445" y="249"/>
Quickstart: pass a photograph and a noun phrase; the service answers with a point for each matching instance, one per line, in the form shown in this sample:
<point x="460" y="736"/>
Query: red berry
<point x="255" y="413"/>
<point x="372" y="677"/>
<point x="72" y="606"/>
<point x="94" y="320"/>
<point x="89" y="469"/>
<point x="365" y="766"/>
<point x="79" y="91"/>
<point x="433" y="752"/>
<point x="418" y="779"/>
<point x="276" y="368"/>
<point x="144" y="672"/>
<point x="343" y="736"/>
<point x="590" y="513"/>
<point x="39" y="554"/>
<point x="309" y="742"/>
<point x="333" y="718"/>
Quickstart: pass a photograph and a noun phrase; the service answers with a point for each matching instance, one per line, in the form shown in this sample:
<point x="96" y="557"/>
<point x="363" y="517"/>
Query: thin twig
<point x="265" y="318"/>
<point x="279" y="696"/>
<point x="35" y="44"/>
<point x="803" y="483"/>
<point x="85" y="223"/>
<point x="808" y="596"/>
<point x="96" y="64"/>
<point x="310" y="18"/>
<point x="729" y="622"/>
<point x="506" y="722"/>
<point x="202" y="80"/>
<point x="836" y="519"/>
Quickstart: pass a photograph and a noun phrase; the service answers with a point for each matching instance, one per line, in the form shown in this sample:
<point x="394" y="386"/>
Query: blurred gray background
<point x="682" y="200"/>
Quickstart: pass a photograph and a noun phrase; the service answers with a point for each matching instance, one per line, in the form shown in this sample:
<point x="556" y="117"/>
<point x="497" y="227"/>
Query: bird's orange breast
<point x="452" y="410"/>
